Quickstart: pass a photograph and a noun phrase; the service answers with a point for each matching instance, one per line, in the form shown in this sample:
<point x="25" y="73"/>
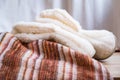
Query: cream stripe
<point x="30" y="66"/>
<point x="96" y="69"/>
<point x="74" y="70"/>
<point x="60" y="52"/>
<point x="67" y="71"/>
<point x="38" y="62"/>
<point x="1" y="36"/>
<point x="60" y="70"/>
<point x="111" y="77"/>
<point x="23" y="63"/>
<point x="31" y="63"/>
<point x="5" y="41"/>
<point x="4" y="52"/>
<point x="60" y="63"/>
<point x="65" y="51"/>
<point x="104" y="72"/>
<point x="68" y="64"/>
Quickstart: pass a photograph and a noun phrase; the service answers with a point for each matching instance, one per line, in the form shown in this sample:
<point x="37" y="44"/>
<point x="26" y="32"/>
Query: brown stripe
<point x="18" y="54"/>
<point x="86" y="68"/>
<point x="22" y="50"/>
<point x="58" y="54"/>
<point x="62" y="50"/>
<point x="48" y="49"/>
<point x="90" y="69"/>
<point x="44" y="49"/>
<point x="69" y="53"/>
<point x="48" y="70"/>
<point x="38" y="49"/>
<point x="49" y="64"/>
<point x="13" y="70"/>
<point x="52" y="51"/>
<point x="63" y="53"/>
<point x="12" y="61"/>
<point x="80" y="63"/>
<point x="51" y="48"/>
<point x="4" y="64"/>
<point x="9" y="53"/>
<point x="56" y="51"/>
<point x="2" y="72"/>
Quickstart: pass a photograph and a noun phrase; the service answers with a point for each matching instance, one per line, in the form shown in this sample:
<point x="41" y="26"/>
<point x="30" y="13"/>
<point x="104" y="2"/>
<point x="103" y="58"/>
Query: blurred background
<point x="92" y="14"/>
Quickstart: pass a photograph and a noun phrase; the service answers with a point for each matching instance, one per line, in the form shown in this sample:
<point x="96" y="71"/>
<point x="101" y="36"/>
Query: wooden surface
<point x="113" y="65"/>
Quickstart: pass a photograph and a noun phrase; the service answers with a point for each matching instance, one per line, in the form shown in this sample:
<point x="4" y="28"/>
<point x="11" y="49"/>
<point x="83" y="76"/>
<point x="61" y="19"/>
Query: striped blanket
<point x="46" y="60"/>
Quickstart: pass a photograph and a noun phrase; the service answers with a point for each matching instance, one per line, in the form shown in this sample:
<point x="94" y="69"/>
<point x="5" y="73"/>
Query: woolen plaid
<point x="45" y="60"/>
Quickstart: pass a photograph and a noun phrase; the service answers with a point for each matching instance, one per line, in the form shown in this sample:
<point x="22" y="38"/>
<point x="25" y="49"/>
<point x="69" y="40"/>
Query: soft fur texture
<point x="62" y="16"/>
<point x="103" y="41"/>
<point x="33" y="31"/>
<point x="58" y="25"/>
<point x="56" y="22"/>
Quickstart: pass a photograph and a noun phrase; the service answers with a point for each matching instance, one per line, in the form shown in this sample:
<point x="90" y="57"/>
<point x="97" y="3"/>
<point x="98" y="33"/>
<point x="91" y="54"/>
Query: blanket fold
<point x="46" y="60"/>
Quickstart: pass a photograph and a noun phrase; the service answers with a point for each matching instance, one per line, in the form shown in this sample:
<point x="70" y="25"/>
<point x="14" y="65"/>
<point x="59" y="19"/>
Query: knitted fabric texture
<point x="45" y="60"/>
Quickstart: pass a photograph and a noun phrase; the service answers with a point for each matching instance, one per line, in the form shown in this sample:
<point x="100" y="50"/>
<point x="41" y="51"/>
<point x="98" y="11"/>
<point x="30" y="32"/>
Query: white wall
<point x="92" y="14"/>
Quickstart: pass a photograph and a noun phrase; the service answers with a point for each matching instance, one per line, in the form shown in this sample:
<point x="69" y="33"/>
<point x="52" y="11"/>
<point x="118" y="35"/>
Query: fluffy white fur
<point x="58" y="25"/>
<point x="103" y="41"/>
<point x="33" y="27"/>
<point x="29" y="31"/>
<point x="62" y="16"/>
<point x="56" y="22"/>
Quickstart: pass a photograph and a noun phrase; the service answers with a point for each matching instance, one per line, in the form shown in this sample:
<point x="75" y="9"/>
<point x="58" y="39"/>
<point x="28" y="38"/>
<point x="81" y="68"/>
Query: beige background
<point x="92" y="14"/>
